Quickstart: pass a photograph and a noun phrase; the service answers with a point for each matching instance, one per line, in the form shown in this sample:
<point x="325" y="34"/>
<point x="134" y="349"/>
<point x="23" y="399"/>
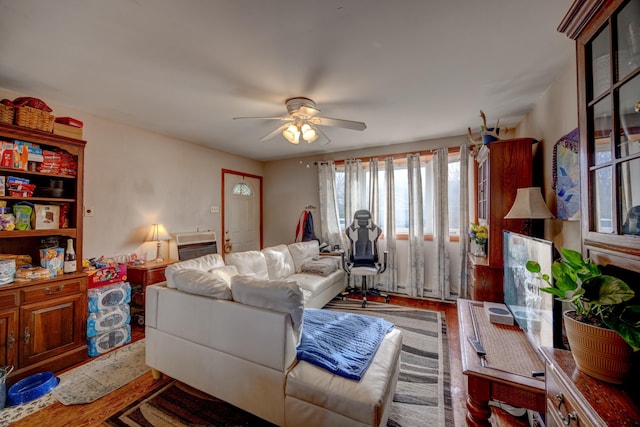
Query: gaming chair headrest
<point x="362" y="218"/>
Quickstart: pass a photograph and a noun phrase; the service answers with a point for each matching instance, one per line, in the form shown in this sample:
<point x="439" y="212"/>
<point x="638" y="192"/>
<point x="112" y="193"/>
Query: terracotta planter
<point x="598" y="352"/>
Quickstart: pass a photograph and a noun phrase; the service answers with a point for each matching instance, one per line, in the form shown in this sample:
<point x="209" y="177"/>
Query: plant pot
<point x="598" y="352"/>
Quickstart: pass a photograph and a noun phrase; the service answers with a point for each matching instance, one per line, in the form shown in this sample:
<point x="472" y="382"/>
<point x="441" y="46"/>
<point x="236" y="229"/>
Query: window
<point x="401" y="193"/>
<point x="242" y="189"/>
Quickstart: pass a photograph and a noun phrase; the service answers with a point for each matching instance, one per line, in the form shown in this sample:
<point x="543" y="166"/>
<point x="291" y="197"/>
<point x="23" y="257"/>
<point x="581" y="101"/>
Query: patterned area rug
<point x="102" y="375"/>
<point x="422" y="397"/>
<point x="423" y="393"/>
<point x="87" y="382"/>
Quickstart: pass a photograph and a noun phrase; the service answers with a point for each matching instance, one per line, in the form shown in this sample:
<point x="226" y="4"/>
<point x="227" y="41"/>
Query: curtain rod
<point x="396" y="156"/>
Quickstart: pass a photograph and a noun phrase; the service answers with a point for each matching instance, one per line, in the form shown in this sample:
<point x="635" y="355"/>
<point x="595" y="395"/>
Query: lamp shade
<point x="157" y="233"/>
<point x="529" y="204"/>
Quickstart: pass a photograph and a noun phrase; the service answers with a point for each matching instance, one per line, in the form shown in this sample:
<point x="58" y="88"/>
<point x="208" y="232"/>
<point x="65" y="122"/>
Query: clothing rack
<point x="308" y="207"/>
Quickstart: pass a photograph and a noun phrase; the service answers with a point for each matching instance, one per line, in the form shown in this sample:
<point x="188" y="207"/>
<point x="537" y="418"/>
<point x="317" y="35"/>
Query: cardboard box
<point x="53" y="260"/>
<point x="20" y="155"/>
<point x="107" y="275"/>
<point x="66" y="130"/>
<point x="6" y="154"/>
<point x="45" y="217"/>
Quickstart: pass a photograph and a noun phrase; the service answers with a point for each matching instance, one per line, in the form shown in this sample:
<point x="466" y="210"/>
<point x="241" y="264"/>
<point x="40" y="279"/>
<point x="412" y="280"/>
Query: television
<point x="536" y="312"/>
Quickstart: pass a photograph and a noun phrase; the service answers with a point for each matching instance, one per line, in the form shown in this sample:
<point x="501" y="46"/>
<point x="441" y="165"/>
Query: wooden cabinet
<point x="43" y="321"/>
<point x="607" y="35"/>
<point x="575" y="399"/>
<point x="503" y="167"/>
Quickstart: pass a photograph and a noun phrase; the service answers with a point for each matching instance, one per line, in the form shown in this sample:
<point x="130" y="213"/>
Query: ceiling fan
<point x="303" y="122"/>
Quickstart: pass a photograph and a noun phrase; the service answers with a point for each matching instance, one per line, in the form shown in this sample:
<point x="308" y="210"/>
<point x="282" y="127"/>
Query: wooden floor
<point x="95" y="413"/>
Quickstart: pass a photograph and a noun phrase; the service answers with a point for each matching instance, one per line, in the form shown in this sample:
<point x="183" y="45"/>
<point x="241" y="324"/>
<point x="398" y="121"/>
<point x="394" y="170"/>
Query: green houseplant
<point x="602" y="302"/>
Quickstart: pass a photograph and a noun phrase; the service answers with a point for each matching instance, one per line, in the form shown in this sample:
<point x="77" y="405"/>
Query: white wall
<point x="134" y="178"/>
<point x="555" y="114"/>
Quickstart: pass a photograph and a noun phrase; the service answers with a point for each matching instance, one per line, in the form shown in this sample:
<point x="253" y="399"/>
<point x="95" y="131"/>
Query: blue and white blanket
<point x="342" y="343"/>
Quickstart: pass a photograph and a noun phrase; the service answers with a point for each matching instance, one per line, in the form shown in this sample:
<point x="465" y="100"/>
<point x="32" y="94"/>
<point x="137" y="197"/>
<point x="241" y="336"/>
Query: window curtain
<point x="390" y="279"/>
<point x="354" y="197"/>
<point x="329" y="218"/>
<point x="440" y="288"/>
<point x="415" y="270"/>
<point x="374" y="203"/>
<point x="464" y="220"/>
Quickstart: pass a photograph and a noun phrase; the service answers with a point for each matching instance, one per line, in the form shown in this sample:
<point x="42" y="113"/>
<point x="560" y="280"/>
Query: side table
<point x="141" y="276"/>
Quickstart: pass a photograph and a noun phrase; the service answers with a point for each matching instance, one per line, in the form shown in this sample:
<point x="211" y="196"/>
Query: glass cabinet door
<point x="613" y="119"/>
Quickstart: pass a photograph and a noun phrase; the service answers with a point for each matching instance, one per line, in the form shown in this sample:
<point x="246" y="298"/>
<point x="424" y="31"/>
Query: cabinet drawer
<point x="562" y="409"/>
<point x="155" y="276"/>
<point x="51" y="290"/>
<point x="9" y="299"/>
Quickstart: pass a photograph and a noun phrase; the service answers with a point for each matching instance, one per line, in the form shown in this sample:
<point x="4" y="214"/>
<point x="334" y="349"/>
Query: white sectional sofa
<point x="234" y="336"/>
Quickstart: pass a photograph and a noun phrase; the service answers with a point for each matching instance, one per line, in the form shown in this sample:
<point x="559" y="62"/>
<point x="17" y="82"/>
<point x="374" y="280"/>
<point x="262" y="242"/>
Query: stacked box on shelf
<point x="109" y="317"/>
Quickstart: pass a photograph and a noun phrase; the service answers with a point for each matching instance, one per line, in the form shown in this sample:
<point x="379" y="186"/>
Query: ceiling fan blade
<point x="265" y="118"/>
<point x="324" y="139"/>
<point x="347" y="124"/>
<point x="274" y="133"/>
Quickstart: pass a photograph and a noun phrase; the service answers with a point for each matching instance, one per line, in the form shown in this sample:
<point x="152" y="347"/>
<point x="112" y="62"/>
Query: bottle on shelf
<point x="70" y="258"/>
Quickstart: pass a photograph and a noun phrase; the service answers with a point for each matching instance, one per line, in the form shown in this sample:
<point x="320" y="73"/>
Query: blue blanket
<point x="342" y="343"/>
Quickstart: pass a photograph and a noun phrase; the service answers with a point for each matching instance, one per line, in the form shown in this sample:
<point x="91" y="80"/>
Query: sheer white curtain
<point x="329" y="218"/>
<point x="374" y="203"/>
<point x="440" y="286"/>
<point x="415" y="272"/>
<point x="464" y="220"/>
<point x="391" y="274"/>
<point x="354" y="196"/>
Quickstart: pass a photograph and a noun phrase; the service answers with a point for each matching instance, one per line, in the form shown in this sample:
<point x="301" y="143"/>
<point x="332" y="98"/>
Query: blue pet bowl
<point x="31" y="388"/>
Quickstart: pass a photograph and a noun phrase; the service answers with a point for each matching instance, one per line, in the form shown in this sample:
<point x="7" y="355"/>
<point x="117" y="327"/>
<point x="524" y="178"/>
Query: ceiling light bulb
<point x="308" y="133"/>
<point x="292" y="134"/>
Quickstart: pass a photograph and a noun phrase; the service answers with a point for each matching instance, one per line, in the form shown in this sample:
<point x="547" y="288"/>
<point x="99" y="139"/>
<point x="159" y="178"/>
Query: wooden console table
<point x="505" y="373"/>
<point x="141" y="276"/>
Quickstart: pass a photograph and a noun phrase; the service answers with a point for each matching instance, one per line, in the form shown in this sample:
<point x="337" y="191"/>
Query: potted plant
<point x="603" y="329"/>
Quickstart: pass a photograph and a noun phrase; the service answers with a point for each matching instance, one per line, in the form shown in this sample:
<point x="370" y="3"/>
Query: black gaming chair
<point x="362" y="256"/>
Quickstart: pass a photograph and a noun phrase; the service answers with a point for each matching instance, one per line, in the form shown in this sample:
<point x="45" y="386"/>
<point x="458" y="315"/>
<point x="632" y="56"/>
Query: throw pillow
<point x="278" y="295"/>
<point x="200" y="282"/>
<point x="203" y="263"/>
<point x="224" y="273"/>
<point x="279" y="262"/>
<point x="303" y="252"/>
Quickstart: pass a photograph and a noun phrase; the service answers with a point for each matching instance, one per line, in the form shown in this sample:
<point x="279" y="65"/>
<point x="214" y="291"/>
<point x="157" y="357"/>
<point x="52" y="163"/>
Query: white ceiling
<point x="410" y="69"/>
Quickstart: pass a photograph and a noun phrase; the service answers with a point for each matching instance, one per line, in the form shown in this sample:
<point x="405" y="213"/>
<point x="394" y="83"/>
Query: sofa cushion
<point x="314" y="282"/>
<point x="249" y="263"/>
<point x="225" y="273"/>
<point x="200" y="282"/>
<point x="279" y="262"/>
<point x="278" y="295"/>
<point x="204" y="263"/>
<point x="303" y="252"/>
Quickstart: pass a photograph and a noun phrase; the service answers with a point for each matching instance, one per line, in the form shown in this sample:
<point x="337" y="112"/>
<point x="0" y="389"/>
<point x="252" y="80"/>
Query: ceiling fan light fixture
<point x="308" y="133"/>
<point x="292" y="134"/>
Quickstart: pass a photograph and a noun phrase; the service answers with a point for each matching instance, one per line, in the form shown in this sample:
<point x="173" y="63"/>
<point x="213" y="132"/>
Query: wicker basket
<point x="6" y="114"/>
<point x="35" y="119"/>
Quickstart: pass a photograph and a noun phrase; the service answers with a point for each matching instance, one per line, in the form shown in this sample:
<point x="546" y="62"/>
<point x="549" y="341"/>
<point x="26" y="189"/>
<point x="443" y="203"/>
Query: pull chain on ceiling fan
<point x="303" y="122"/>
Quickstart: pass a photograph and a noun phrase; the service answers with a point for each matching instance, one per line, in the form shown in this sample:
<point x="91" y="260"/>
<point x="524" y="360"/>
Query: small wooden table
<point x="505" y="374"/>
<point x="144" y="275"/>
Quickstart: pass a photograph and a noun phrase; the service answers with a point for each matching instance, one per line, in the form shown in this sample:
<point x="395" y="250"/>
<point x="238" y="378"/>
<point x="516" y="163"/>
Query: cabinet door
<point x="51" y="327"/>
<point x="8" y="337"/>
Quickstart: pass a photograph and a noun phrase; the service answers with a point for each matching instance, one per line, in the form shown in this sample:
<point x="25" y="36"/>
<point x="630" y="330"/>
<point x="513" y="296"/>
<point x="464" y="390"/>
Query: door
<point x="242" y="211"/>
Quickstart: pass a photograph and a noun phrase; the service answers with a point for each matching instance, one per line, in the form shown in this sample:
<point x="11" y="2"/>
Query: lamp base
<point x="158" y="259"/>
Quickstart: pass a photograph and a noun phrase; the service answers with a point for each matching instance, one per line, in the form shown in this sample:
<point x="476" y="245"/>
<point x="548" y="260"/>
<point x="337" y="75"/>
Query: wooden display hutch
<point x="43" y="321"/>
<point x="503" y="167"/>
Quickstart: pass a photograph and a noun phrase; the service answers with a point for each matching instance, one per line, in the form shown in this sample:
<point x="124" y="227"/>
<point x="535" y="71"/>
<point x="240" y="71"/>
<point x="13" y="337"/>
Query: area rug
<point x="423" y="393"/>
<point x="422" y="397"/>
<point x="102" y="375"/>
<point x="179" y="405"/>
<point x="87" y="382"/>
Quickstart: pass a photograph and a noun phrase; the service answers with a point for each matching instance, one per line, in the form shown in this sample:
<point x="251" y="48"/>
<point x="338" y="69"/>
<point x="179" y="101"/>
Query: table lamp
<point x="157" y="234"/>
<point x="529" y="205"/>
